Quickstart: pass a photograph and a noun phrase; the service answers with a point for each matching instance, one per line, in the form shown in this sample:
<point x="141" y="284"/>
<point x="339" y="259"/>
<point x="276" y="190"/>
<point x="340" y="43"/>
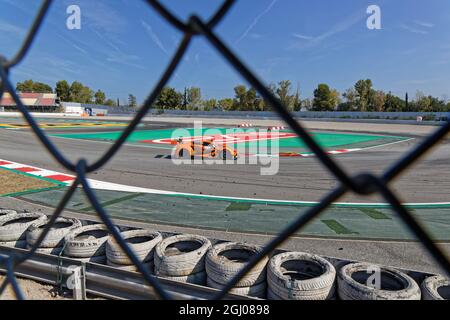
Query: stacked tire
<point x="225" y="260"/>
<point x="182" y="258"/>
<point x="87" y="243"/>
<point x="436" y="288"/>
<point x="13" y="228"/>
<point x="142" y="242"/>
<point x="363" y="281"/>
<point x="53" y="242"/>
<point x="300" y="276"/>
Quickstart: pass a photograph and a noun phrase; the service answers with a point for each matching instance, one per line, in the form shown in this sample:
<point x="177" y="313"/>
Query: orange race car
<point x="204" y="148"/>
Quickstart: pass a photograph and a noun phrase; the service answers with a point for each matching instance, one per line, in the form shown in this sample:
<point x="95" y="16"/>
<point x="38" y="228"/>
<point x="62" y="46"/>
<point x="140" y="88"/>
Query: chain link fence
<point x="363" y="184"/>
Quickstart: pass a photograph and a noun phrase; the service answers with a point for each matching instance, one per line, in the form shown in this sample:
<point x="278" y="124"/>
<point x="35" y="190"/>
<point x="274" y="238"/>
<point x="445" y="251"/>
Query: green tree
<point x="29" y="86"/>
<point x="209" y="104"/>
<point x="323" y="99"/>
<point x="100" y="97"/>
<point x="240" y="98"/>
<point x="297" y="101"/>
<point x="26" y="86"/>
<point x="350" y="103"/>
<point x="379" y="100"/>
<point x="335" y="98"/>
<point x="194" y="98"/>
<point x="283" y="93"/>
<point x="80" y="93"/>
<point x="110" y="103"/>
<point x="364" y="91"/>
<point x="169" y="98"/>
<point x="225" y="104"/>
<point x="393" y="103"/>
<point x="62" y="89"/>
<point x="42" y="88"/>
<point x="132" y="101"/>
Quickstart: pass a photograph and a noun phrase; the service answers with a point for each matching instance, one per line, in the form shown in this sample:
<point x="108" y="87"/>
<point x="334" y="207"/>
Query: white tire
<point x="258" y="290"/>
<point x="395" y="285"/>
<point x="301" y="276"/>
<point x="436" y="288"/>
<point x="56" y="234"/>
<point x="181" y="255"/>
<point x="148" y="265"/>
<point x="54" y="251"/>
<point x="94" y="259"/>
<point x="225" y="260"/>
<point x="87" y="241"/>
<point x="4" y="212"/>
<point x="21" y="244"/>
<point x="13" y="227"/>
<point x="142" y="242"/>
<point x="198" y="278"/>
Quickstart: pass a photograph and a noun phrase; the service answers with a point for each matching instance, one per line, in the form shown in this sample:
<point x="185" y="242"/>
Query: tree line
<point x="361" y="97"/>
<point x="75" y="92"/>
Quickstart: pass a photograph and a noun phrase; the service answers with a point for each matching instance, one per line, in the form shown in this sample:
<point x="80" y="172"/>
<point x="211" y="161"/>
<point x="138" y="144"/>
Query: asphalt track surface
<point x="298" y="179"/>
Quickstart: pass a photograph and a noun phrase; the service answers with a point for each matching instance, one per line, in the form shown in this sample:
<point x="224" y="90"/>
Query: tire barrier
<point x="181" y="257"/>
<point x="191" y="259"/>
<point x="86" y="242"/>
<point x="436" y="288"/>
<point x="21" y="244"/>
<point x="393" y="284"/>
<point x="225" y="260"/>
<point x="142" y="242"/>
<point x="300" y="276"/>
<point x="4" y="212"/>
<point x="13" y="227"/>
<point x="56" y="234"/>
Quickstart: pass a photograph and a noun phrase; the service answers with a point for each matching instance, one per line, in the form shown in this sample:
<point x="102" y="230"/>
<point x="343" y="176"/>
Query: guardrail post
<point x="77" y="282"/>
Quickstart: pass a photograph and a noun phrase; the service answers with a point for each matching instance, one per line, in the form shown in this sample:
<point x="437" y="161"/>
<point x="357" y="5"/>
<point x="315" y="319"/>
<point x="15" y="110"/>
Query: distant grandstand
<point x="37" y="102"/>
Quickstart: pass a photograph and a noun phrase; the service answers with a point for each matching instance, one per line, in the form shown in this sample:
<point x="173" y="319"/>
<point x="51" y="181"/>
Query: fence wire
<point x="364" y="184"/>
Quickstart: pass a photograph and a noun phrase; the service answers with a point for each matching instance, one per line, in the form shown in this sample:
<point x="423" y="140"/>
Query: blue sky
<point x="123" y="45"/>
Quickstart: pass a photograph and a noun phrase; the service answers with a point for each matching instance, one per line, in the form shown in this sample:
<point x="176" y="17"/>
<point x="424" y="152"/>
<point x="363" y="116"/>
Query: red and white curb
<point x="303" y="155"/>
<point x="276" y="128"/>
<point x="245" y="125"/>
<point x="68" y="179"/>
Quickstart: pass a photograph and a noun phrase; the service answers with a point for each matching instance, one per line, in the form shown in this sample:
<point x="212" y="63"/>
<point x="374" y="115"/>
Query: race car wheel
<point x="226" y="155"/>
<point x="184" y="154"/>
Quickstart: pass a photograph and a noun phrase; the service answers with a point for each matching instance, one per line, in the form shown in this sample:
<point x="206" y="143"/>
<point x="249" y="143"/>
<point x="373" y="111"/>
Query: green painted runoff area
<point x="353" y="222"/>
<point x="325" y="139"/>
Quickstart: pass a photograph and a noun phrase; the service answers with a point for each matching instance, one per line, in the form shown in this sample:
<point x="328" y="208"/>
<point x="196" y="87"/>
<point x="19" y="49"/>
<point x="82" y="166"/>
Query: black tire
<point x="56" y="234"/>
<point x="184" y="154"/>
<point x="142" y="242"/>
<point x="13" y="227"/>
<point x="395" y="285"/>
<point x="181" y="255"/>
<point x="226" y="155"/>
<point x="436" y="288"/>
<point x="225" y="260"/>
<point x="301" y="276"/>
<point x="87" y="241"/>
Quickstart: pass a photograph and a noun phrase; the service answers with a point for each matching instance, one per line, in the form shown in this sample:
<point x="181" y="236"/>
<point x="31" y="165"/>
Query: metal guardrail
<point x="100" y="280"/>
<point x="364" y="184"/>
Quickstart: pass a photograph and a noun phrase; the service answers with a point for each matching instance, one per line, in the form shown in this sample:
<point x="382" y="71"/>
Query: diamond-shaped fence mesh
<point x="363" y="184"/>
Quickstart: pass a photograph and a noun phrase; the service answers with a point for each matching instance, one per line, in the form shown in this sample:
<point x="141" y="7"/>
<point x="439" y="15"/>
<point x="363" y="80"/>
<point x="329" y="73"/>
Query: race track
<point x="298" y="179"/>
